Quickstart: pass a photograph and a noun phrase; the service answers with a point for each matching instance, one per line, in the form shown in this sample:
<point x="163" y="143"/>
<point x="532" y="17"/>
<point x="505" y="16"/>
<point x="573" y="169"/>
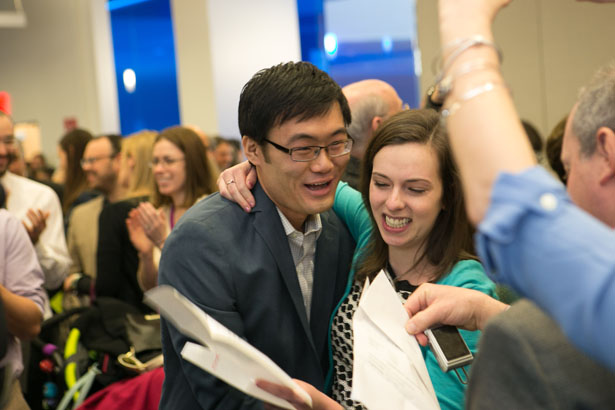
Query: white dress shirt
<point x="303" y="248"/>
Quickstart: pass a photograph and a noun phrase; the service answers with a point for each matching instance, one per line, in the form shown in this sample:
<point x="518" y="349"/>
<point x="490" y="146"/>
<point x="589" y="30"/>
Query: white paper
<point x="389" y="371"/>
<point x="225" y="355"/>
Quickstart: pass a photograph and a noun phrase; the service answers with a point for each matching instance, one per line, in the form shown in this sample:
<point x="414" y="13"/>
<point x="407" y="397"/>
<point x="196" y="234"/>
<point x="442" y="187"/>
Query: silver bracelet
<point x="473" y="93"/>
<point x="462" y="46"/>
<point x="445" y="86"/>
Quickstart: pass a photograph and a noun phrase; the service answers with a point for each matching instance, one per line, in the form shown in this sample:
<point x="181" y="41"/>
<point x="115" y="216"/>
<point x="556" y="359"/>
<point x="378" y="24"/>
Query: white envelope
<point x="221" y="352"/>
<point x="389" y="371"/>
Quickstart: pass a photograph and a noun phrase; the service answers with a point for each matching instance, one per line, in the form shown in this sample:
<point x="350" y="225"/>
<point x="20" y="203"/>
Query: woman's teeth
<point x="396" y="222"/>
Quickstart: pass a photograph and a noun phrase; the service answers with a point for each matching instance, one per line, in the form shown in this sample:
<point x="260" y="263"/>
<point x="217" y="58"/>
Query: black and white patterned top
<point x="342" y="343"/>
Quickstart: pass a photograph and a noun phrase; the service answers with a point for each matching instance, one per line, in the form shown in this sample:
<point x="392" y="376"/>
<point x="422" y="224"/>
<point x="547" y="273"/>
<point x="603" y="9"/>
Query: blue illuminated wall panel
<point x="364" y="47"/>
<point x="142" y="32"/>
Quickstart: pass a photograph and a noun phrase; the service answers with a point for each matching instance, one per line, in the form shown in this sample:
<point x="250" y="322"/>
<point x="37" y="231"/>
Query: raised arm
<point x="485" y="131"/>
<point x="530" y="235"/>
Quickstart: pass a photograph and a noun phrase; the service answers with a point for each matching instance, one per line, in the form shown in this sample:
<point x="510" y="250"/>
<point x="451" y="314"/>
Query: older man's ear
<point x="605" y="148"/>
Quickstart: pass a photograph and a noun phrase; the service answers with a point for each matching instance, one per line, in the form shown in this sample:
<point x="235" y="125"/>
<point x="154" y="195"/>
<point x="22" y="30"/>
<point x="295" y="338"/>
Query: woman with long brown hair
<point x="409" y="220"/>
<point x="70" y="151"/>
<point x="182" y="176"/>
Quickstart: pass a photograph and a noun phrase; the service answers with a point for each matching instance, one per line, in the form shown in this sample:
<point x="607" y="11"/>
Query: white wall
<point x="51" y="69"/>
<point x="246" y="36"/>
<point x="195" y="81"/>
<point x="104" y="68"/>
<point x="551" y="49"/>
<point x="341" y="16"/>
<point x="61" y="64"/>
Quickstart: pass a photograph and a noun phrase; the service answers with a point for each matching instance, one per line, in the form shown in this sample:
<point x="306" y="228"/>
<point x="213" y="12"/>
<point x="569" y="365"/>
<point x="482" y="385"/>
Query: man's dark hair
<point x="554" y="149"/>
<point x="115" y="140"/>
<point x="533" y="135"/>
<point x="284" y="92"/>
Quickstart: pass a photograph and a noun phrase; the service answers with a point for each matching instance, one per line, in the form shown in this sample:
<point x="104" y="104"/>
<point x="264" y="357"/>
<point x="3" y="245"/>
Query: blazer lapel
<point x="269" y="226"/>
<point x="325" y="275"/>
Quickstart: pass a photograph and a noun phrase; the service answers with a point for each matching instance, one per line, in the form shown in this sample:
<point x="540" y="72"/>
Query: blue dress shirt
<point x="534" y="239"/>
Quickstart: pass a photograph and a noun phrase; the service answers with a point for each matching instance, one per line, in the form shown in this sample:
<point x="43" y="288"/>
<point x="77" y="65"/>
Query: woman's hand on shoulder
<point x="235" y="184"/>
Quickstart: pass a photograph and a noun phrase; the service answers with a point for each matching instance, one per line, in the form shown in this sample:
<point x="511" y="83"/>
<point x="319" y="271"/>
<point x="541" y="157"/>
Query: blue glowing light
<point x="130" y="80"/>
<point x="330" y="42"/>
<point x="387" y="44"/>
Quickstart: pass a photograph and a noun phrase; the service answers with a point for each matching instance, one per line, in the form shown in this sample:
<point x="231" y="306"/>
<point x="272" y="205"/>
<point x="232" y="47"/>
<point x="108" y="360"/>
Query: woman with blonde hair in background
<point x="183" y="176"/>
<point x="117" y="260"/>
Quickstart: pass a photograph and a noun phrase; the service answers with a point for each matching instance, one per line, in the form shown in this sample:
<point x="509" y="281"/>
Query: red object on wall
<point x="70" y="123"/>
<point x="5" y="102"/>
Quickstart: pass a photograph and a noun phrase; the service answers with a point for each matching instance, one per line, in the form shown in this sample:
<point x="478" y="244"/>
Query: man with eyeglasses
<point x="101" y="164"/>
<point x="275" y="274"/>
<point x="38" y="207"/>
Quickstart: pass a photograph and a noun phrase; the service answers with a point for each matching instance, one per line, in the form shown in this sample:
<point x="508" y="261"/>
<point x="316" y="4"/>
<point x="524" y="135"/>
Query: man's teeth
<point x="396" y="222"/>
<point x="317" y="185"/>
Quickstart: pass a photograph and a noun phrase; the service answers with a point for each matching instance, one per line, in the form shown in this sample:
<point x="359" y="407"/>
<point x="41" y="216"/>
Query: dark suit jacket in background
<point x="117" y="260"/>
<point x="238" y="268"/>
<point x="526" y="362"/>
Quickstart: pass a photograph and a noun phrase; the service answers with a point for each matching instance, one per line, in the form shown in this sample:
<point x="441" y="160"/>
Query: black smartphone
<point x="448" y="346"/>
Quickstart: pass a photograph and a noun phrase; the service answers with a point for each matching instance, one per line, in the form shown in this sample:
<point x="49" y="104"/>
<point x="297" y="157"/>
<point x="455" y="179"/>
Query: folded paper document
<point x="389" y="371"/>
<point x="219" y="351"/>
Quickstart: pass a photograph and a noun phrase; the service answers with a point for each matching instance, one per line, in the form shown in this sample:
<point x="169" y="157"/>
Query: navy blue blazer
<point x="238" y="268"/>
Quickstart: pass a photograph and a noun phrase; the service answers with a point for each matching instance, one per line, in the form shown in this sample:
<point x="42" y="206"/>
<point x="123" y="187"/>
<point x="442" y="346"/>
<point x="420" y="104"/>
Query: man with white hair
<point x="561" y="354"/>
<point x="371" y="102"/>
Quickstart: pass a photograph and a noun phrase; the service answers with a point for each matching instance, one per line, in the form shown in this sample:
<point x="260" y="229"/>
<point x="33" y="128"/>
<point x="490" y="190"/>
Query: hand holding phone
<point x="448" y="346"/>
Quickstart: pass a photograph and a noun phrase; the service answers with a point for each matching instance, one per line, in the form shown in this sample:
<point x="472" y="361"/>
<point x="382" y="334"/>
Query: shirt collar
<point x="313" y="224"/>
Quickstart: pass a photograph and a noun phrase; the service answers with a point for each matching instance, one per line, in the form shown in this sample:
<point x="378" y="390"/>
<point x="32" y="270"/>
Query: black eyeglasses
<point x="311" y="152"/>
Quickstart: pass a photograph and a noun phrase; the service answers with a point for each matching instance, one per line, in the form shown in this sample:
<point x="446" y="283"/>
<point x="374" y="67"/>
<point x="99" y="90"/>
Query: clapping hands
<point x="37" y="223"/>
<point x="146" y="227"/>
